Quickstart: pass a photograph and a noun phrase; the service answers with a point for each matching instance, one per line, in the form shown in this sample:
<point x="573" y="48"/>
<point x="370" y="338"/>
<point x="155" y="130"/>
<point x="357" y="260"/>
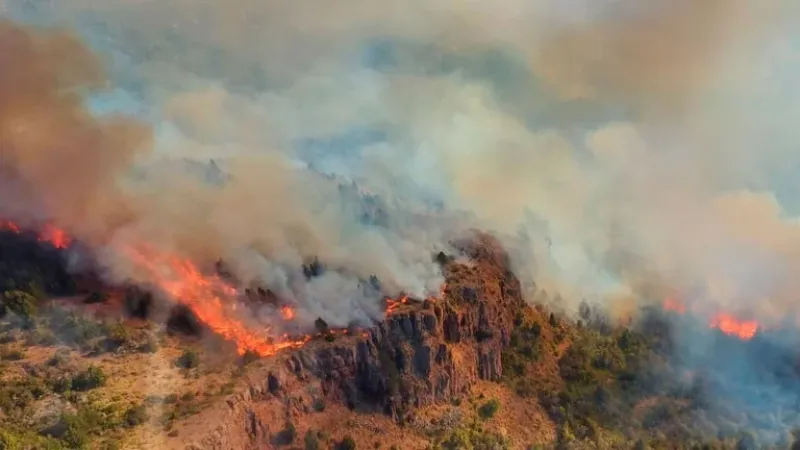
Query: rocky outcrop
<point x="423" y="353"/>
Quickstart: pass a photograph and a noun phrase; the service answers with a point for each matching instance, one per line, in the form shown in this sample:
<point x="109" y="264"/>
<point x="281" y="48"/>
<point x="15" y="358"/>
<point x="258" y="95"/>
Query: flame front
<point x="743" y="329"/>
<point x="392" y="304"/>
<point x="724" y="322"/>
<point x="49" y="234"/>
<point x="209" y="298"/>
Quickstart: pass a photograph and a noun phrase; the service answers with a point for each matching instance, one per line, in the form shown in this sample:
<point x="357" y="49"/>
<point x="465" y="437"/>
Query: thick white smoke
<point x="639" y="147"/>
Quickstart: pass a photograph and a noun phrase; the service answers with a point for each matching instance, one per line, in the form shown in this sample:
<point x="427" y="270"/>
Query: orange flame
<point x="287" y="312"/>
<point x="393" y="304"/>
<point x="209" y="298"/>
<point x="724" y="322"/>
<point x="56" y="237"/>
<point x="743" y="329"/>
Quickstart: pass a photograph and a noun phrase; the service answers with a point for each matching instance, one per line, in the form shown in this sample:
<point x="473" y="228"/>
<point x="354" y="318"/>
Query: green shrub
<point x="118" y="336"/>
<point x="311" y="441"/>
<point x="250" y="357"/>
<point x="489" y="409"/>
<point x="188" y="360"/>
<point x="150" y="345"/>
<point x="287" y="435"/>
<point x="91" y="378"/>
<point x="81" y="330"/>
<point x="9" y="354"/>
<point x="40" y="335"/>
<point x="347" y="443"/>
<point x="21" y="303"/>
<point x="96" y="297"/>
<point x="321" y="325"/>
<point x="76" y="431"/>
<point x="136" y="415"/>
<point x="318" y="404"/>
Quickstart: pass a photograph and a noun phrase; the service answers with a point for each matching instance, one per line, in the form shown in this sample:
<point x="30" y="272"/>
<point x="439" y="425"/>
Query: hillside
<point x="475" y="368"/>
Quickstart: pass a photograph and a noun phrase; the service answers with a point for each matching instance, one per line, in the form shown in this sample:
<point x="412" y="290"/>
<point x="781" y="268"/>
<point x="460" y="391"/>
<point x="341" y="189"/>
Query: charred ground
<point x="476" y="368"/>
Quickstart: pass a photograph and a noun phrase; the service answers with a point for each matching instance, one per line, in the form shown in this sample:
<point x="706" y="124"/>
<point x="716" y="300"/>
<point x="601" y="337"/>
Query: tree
<point x="188" y="360"/>
<point x="347" y="443"/>
<point x="20" y="303"/>
<point x="311" y="441"/>
<point x="489" y="409"/>
<point x="747" y="441"/>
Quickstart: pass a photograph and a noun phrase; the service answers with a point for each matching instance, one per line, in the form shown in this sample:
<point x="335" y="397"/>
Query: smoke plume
<point x="628" y="149"/>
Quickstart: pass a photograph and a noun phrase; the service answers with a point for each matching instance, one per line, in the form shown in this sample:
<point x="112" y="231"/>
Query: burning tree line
<point x="213" y="298"/>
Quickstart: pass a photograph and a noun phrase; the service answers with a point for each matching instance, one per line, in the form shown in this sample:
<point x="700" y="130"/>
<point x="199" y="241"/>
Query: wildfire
<point x="49" y="234"/>
<point x="724" y="322"/>
<point x="211" y="299"/>
<point x="287" y="312"/>
<point x="7" y="225"/>
<point x="743" y="329"/>
<point x="393" y="304"/>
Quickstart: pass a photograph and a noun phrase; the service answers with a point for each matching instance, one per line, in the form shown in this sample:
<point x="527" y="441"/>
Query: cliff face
<point x="424" y="353"/>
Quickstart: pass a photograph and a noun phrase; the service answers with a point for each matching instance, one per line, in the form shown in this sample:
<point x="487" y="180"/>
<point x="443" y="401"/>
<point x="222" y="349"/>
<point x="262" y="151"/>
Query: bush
<point x="489" y="409"/>
<point x="347" y="443"/>
<point x="318" y="404"/>
<point x="118" y="336"/>
<point x="287" y="435"/>
<point x="321" y="325"/>
<point x="136" y="415"/>
<point x="96" y="297"/>
<point x="21" y="304"/>
<point x="150" y="345"/>
<point x="42" y="336"/>
<point x="12" y="354"/>
<point x="59" y="358"/>
<point x="188" y="360"/>
<point x="311" y="441"/>
<point x="75" y="431"/>
<point x="91" y="378"/>
<point x="82" y="330"/>
<point x="250" y="357"/>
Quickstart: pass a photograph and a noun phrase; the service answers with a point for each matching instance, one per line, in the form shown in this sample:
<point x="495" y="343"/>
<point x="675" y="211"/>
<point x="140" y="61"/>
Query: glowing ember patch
<point x="288" y="313"/>
<point x="393" y="304"/>
<point x="743" y="329"/>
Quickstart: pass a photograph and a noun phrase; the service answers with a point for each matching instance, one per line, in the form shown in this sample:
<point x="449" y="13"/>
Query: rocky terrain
<point x="476" y="368"/>
<point x="424" y="354"/>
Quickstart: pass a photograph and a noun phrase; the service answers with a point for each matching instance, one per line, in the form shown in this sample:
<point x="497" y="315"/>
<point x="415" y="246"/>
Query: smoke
<point x="631" y="149"/>
<point x="625" y="150"/>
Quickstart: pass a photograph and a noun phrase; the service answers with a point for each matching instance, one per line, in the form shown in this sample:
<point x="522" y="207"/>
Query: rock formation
<point x="426" y="352"/>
